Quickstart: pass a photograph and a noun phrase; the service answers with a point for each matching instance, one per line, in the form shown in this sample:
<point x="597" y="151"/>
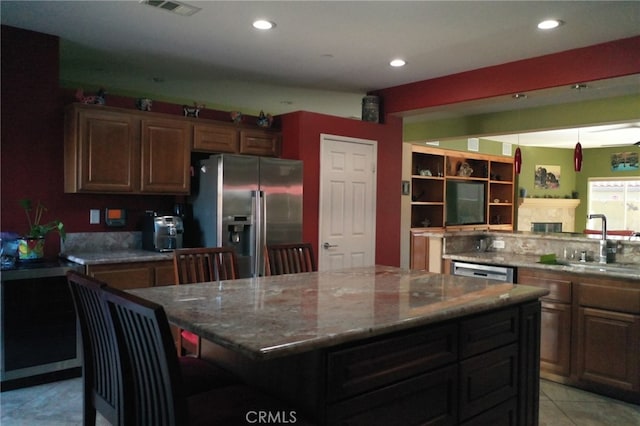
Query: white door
<point x="347" y="202"/>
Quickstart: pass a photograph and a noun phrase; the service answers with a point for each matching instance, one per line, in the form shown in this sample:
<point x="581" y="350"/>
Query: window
<point x="618" y="199"/>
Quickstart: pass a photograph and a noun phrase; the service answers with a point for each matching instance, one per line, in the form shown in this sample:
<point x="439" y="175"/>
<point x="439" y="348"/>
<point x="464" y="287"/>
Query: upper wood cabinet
<point x="115" y="150"/>
<point x="122" y="151"/>
<point x="166" y="156"/>
<point x="215" y="138"/>
<point x="101" y="151"/>
<point x="259" y="142"/>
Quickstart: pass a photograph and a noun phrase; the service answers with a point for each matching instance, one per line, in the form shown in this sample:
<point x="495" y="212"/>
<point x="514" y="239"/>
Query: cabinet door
<point x="609" y="348"/>
<point x="101" y="152"/>
<point x="212" y="138"/>
<point x="555" y="338"/>
<point x="259" y="142"/>
<point x="166" y="156"/>
<point x="164" y="274"/>
<point x="487" y="380"/>
<point x="123" y="276"/>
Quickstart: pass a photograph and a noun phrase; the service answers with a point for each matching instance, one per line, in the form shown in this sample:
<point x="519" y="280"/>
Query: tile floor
<point x="60" y="404"/>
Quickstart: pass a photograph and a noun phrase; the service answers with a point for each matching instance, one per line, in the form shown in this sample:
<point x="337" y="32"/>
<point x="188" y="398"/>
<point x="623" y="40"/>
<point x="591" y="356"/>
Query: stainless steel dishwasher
<point x="504" y="274"/>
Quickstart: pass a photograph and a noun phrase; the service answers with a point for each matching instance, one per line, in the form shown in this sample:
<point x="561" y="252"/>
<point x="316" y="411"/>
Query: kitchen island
<point x="375" y="345"/>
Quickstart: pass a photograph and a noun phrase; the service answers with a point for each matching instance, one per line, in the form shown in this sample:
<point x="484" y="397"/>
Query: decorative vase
<point x="30" y="248"/>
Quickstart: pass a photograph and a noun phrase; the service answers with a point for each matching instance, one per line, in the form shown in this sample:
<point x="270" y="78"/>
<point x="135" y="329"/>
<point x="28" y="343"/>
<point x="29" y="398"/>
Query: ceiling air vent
<point x="172" y="6"/>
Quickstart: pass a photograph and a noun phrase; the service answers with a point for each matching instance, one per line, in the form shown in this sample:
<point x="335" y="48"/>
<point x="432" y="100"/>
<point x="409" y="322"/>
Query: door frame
<point x="347" y="139"/>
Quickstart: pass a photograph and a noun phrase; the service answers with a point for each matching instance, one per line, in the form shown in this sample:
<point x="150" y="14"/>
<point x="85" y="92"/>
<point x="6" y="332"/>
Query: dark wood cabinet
<point x="215" y="138"/>
<point x="608" y="336"/>
<point x="608" y="348"/>
<point x="125" y="276"/>
<point x="109" y="150"/>
<point x="555" y="343"/>
<point x="166" y="156"/>
<point x="590" y="331"/>
<point x="114" y="150"/>
<point x="259" y="142"/>
<point x="101" y="151"/>
<point x="465" y="370"/>
<point x="555" y="339"/>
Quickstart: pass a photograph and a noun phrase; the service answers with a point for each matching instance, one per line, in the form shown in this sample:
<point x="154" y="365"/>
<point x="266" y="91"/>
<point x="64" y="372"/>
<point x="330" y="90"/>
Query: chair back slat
<point x="289" y="258"/>
<point x="205" y="264"/>
<point x="145" y="340"/>
<point x="103" y="372"/>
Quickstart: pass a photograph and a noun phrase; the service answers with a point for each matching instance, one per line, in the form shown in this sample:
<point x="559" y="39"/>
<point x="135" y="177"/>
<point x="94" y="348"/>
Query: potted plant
<point x="31" y="245"/>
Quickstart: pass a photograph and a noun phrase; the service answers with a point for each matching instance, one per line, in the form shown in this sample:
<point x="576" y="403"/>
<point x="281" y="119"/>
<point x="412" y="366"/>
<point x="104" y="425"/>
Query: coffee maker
<point x="162" y="233"/>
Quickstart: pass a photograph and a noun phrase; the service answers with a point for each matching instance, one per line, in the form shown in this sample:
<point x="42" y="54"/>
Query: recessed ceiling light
<point x="579" y="86"/>
<point x="549" y="24"/>
<point x="397" y="63"/>
<point x="519" y="96"/>
<point x="263" y="24"/>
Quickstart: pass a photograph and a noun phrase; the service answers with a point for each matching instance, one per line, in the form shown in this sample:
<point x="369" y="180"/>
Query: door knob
<point x="328" y="246"/>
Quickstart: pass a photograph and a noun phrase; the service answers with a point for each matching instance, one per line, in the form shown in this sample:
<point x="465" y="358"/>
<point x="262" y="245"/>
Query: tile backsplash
<point x="98" y="241"/>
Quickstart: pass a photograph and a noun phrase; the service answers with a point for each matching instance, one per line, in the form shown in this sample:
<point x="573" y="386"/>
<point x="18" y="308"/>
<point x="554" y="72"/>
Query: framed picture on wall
<point x="547" y="177"/>
<point x="624" y="161"/>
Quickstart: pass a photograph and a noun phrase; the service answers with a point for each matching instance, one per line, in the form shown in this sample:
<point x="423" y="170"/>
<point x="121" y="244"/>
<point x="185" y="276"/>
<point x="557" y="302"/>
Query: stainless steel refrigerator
<point x="246" y="202"/>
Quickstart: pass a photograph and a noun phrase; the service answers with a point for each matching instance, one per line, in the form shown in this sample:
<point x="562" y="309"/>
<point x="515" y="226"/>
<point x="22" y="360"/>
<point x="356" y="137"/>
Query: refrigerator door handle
<point x="260" y="232"/>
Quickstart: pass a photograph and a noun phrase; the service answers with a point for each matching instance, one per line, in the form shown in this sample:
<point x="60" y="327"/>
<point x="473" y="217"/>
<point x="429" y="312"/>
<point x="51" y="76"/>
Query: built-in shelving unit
<point x="432" y="168"/>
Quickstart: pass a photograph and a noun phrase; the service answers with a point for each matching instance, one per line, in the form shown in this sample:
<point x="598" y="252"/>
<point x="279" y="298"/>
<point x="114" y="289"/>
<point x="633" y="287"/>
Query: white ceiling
<point x="323" y="56"/>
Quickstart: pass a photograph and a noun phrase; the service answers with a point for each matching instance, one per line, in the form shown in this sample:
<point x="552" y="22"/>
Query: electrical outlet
<point x="94" y="217"/>
<point x="498" y="244"/>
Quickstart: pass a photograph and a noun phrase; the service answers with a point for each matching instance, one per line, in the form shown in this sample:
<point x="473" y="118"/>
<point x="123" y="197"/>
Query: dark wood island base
<point x="476" y="369"/>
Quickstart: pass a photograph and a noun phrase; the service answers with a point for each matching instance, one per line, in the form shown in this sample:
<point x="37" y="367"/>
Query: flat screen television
<point x="465" y="203"/>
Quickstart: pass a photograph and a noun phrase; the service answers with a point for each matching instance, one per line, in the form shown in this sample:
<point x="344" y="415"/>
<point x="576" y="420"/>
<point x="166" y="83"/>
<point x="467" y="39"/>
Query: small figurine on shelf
<point x="236" y="116"/>
<point x="144" y="104"/>
<point x="265" y="120"/>
<point x="465" y="170"/>
<point x="193" y="111"/>
<point x="97" y="99"/>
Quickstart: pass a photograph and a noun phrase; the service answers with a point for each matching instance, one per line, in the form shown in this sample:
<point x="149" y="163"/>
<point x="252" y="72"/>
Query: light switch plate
<point x="94" y="217"/>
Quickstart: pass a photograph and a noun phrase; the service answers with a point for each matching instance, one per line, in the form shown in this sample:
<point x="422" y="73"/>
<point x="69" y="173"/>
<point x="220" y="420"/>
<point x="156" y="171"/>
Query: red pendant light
<point x="517" y="160"/>
<point x="577" y="157"/>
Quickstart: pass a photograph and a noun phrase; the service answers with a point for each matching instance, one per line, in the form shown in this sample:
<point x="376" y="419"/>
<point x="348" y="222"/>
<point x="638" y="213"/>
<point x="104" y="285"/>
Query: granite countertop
<point x="281" y="315"/>
<point x="631" y="271"/>
<point x="115" y="256"/>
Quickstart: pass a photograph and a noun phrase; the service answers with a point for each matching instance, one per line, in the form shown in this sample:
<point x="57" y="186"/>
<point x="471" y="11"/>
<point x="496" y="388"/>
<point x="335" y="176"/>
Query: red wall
<point x="32" y="144"/>
<point x="597" y="62"/>
<point x="301" y="139"/>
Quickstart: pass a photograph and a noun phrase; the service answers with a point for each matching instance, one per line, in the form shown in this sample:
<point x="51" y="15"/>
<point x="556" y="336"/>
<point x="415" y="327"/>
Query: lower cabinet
<point x="426" y="253"/>
<point x="555" y="330"/>
<point x="130" y="275"/>
<point x="478" y="370"/>
<point x="608" y="337"/>
<point x="590" y="331"/>
<point x="608" y="348"/>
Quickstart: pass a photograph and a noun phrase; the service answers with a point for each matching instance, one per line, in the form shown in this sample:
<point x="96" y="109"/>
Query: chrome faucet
<point x="603" y="241"/>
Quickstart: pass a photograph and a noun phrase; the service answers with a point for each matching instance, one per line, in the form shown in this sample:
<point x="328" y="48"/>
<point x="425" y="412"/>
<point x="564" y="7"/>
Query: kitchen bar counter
<point x="371" y="345"/>
<point x="286" y="314"/>
<point x="115" y="256"/>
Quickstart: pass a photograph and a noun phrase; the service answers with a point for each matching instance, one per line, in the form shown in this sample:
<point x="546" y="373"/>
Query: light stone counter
<point x="270" y="317"/>
<point x="95" y="248"/>
<point x="115" y="256"/>
<point x="630" y="271"/>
